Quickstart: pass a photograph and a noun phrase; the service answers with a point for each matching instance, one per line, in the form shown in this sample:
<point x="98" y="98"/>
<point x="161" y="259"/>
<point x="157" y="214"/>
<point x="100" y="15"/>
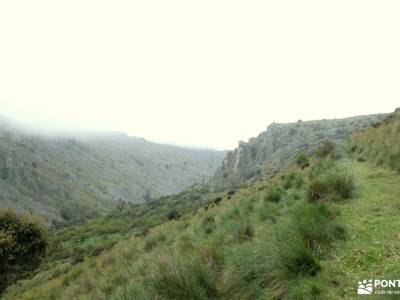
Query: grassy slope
<point x="371" y="251"/>
<point x="372" y="218"/>
<point x="228" y="247"/>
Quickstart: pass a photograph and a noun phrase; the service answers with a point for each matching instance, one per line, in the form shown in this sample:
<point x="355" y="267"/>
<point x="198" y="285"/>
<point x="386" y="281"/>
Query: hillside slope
<point x="66" y="179"/>
<point x="277" y="147"/>
<point x="305" y="234"/>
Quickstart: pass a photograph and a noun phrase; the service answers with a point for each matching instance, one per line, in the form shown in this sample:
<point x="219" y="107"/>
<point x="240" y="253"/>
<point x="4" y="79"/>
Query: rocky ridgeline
<point x="278" y="146"/>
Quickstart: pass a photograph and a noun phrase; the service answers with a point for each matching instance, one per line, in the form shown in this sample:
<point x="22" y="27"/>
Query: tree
<point x="23" y="242"/>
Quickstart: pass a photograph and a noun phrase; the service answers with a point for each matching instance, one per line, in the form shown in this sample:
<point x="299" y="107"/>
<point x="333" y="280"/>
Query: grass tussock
<point x="273" y="194"/>
<point x="192" y="277"/>
<point x="338" y="183"/>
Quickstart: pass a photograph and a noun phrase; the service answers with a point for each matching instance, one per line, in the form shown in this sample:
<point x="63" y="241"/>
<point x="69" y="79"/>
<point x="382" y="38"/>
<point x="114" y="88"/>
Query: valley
<point x="309" y="230"/>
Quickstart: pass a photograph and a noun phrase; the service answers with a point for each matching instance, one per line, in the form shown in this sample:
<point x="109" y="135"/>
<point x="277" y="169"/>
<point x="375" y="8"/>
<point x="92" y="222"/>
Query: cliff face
<point x="278" y="146"/>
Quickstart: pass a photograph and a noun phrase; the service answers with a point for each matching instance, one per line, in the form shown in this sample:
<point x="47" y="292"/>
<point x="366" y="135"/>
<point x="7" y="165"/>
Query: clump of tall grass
<point x="336" y="183"/>
<point x="273" y="194"/>
<point x="307" y="289"/>
<point x="289" y="259"/>
<point x="292" y="180"/>
<point x="153" y="240"/>
<point x="208" y="224"/>
<point x="244" y="230"/>
<point x="341" y="182"/>
<point x="184" y="278"/>
<point x="245" y="270"/>
<point x="269" y="211"/>
<point x="291" y="253"/>
<point x="317" y="189"/>
<point x="316" y="226"/>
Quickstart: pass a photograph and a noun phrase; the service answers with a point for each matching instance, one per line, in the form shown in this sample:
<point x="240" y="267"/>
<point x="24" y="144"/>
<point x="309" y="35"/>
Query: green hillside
<point x="67" y="179"/>
<point x="310" y="232"/>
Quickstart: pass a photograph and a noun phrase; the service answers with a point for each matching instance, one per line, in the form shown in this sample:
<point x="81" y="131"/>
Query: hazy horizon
<point x="55" y="131"/>
<point x="204" y="74"/>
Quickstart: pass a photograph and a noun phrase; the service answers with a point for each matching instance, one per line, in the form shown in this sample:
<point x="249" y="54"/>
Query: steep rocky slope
<point x="71" y="178"/>
<point x="278" y="146"/>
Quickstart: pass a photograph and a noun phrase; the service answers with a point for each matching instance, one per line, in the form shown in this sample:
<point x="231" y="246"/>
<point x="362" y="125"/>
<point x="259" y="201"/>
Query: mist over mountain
<point x="71" y="176"/>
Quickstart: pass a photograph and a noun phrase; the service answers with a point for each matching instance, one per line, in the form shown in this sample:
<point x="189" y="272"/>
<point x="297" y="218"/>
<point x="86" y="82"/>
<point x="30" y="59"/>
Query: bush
<point x="217" y="200"/>
<point x="273" y="194"/>
<point x="231" y="192"/>
<point x="302" y="160"/>
<point x="173" y="215"/>
<point x="326" y="148"/>
<point x="23" y="242"/>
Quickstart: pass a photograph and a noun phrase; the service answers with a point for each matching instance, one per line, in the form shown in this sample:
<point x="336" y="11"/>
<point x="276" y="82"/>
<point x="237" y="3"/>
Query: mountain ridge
<point x="70" y="178"/>
<point x="278" y="145"/>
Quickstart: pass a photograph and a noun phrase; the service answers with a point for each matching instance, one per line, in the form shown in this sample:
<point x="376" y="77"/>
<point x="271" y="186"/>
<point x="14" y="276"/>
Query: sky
<point x="200" y="73"/>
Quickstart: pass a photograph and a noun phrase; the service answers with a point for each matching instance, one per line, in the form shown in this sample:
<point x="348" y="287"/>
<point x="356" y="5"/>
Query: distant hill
<point x="67" y="179"/>
<point x="278" y="146"/>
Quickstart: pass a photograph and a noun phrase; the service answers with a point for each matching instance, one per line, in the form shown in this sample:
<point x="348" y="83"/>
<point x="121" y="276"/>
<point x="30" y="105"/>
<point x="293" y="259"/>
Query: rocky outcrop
<point x="278" y="146"/>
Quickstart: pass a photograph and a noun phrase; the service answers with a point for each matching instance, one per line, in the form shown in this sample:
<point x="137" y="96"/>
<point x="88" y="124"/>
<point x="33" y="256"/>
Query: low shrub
<point x="173" y="215"/>
<point x="23" y="242"/>
<point x="302" y="160"/>
<point x="217" y="200"/>
<point x="326" y="148"/>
